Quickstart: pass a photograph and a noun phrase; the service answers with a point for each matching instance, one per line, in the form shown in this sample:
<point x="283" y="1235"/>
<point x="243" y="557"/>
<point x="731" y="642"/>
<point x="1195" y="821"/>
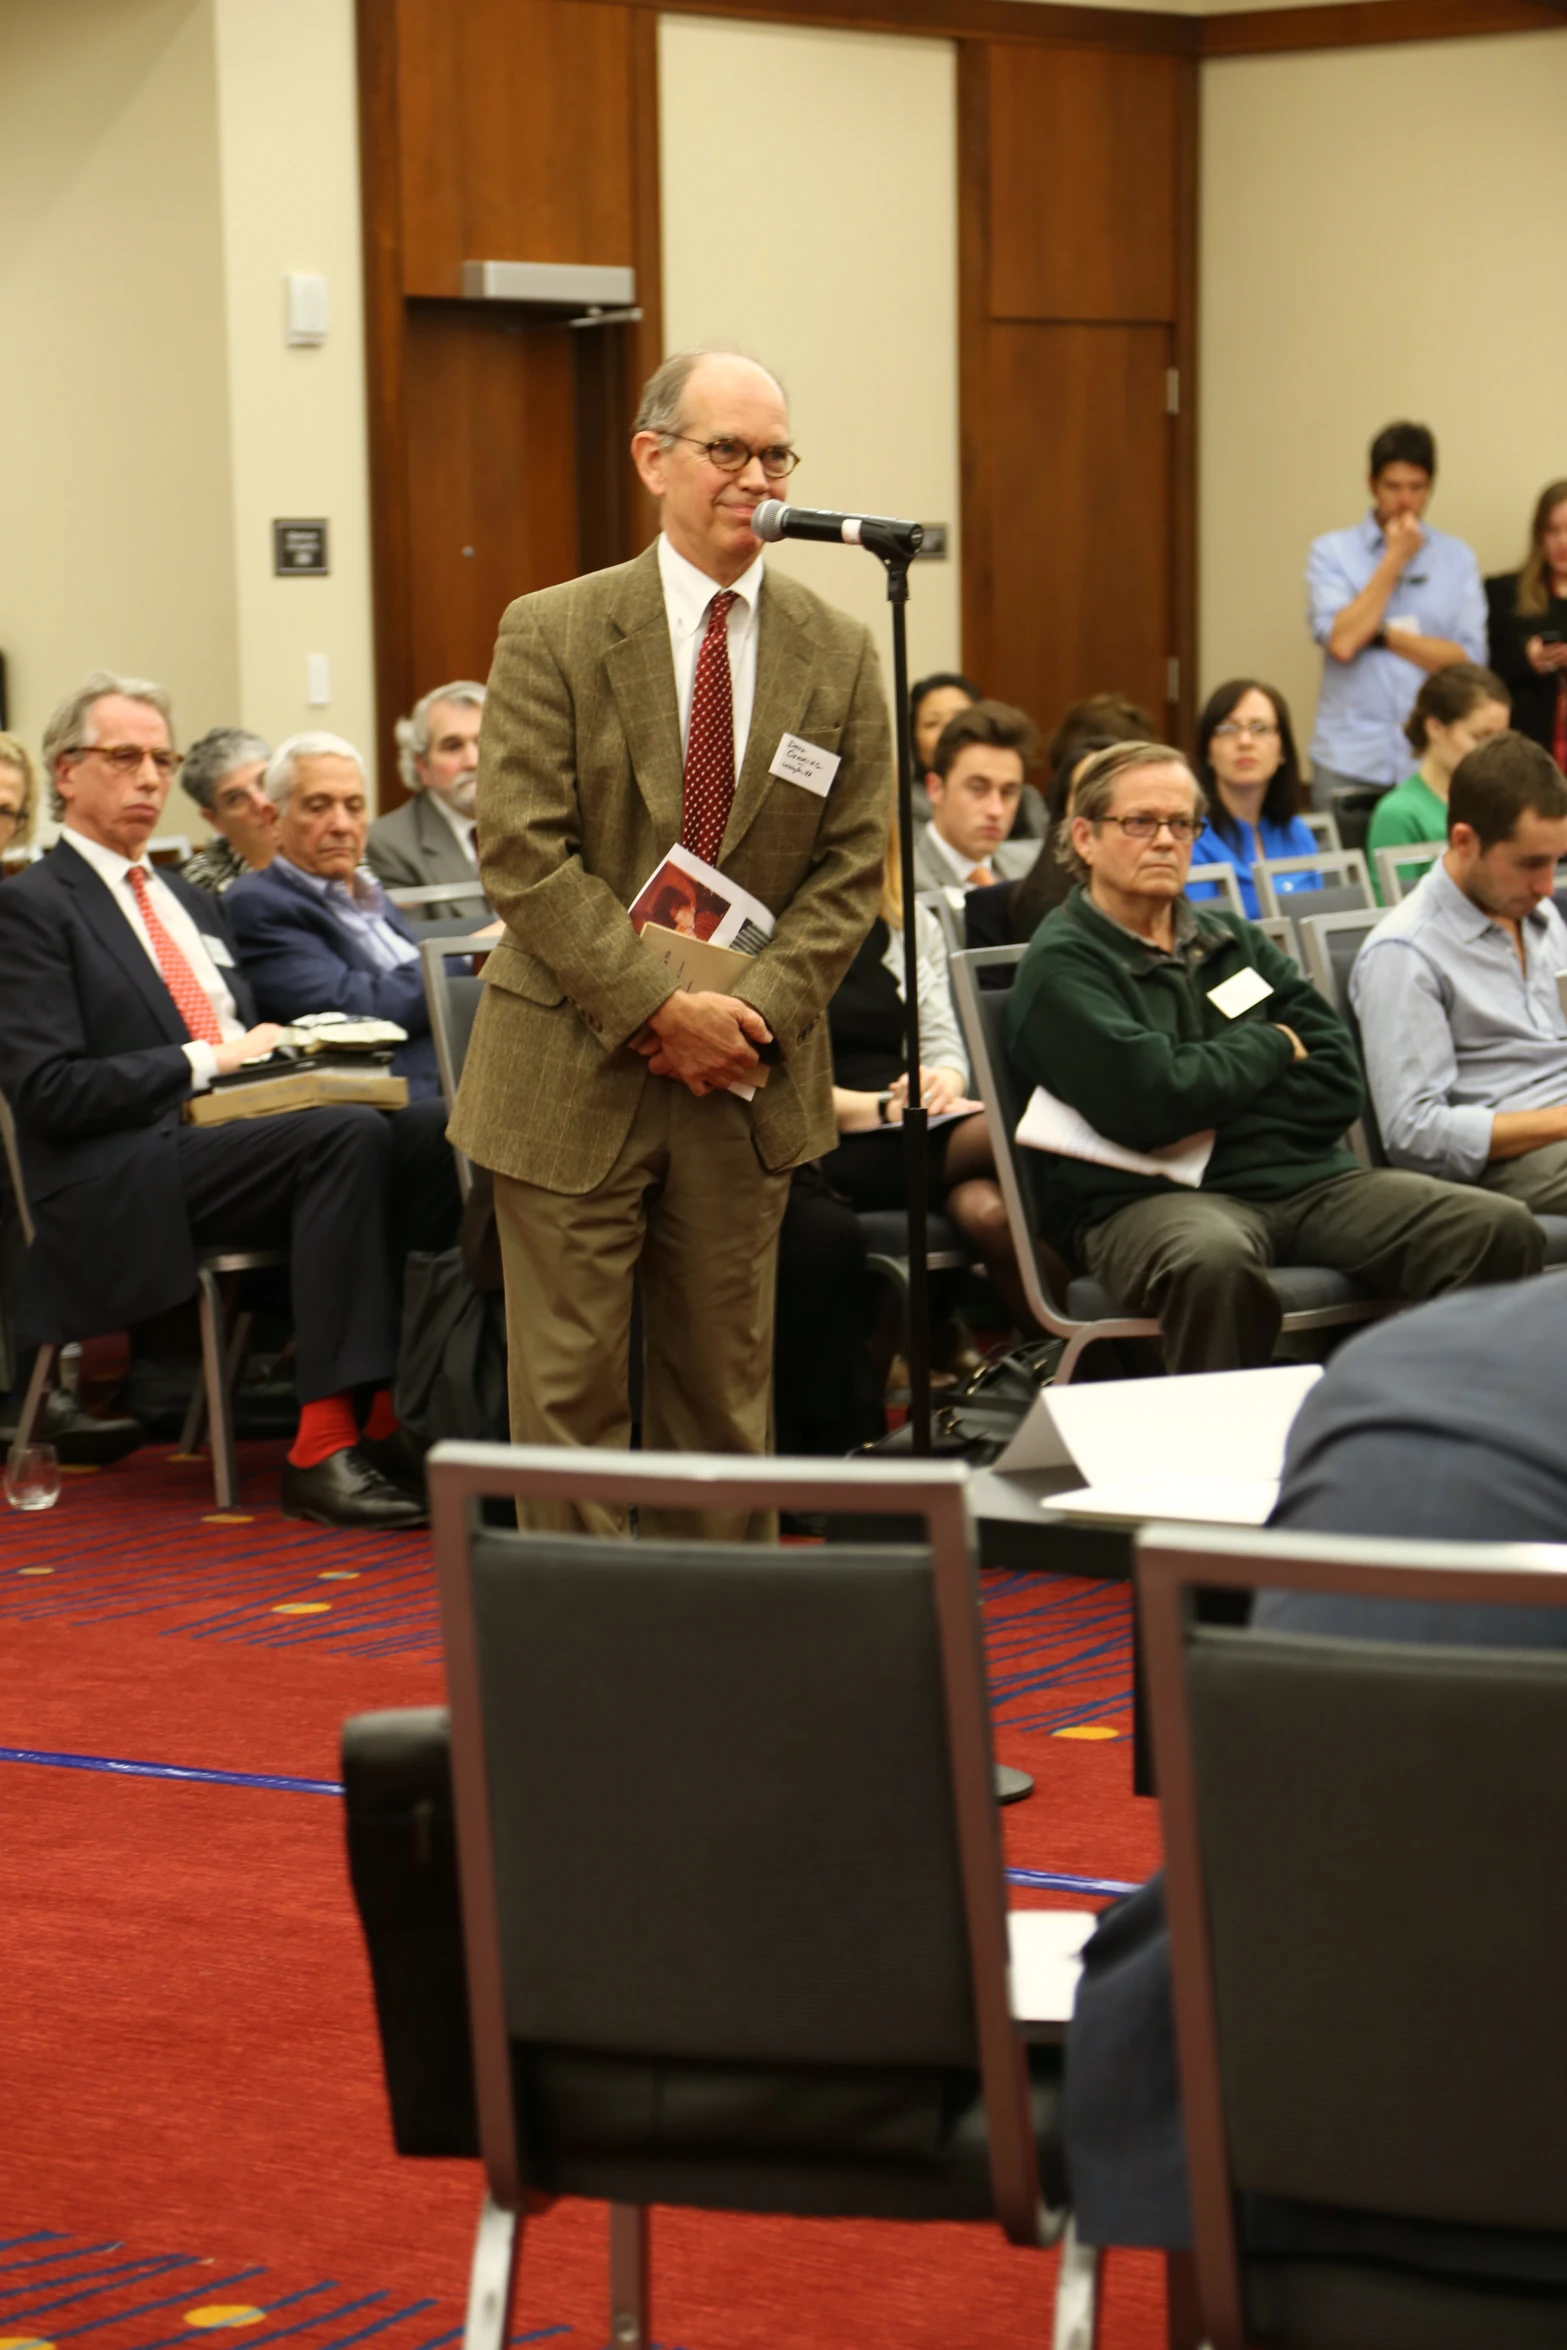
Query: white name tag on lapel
<point x="1238" y="993"/>
<point x="218" y="949"/>
<point x="798" y="761"/>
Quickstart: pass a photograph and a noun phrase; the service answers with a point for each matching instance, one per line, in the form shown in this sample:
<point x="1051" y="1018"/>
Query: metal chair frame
<point x="1224" y="874"/>
<point x="222" y="1353"/>
<point x="462" y="1477"/>
<point x="1280" y="931"/>
<point x="1173" y="1564"/>
<point x="1390" y="863"/>
<point x="1335" y="868"/>
<point x="434" y="954"/>
<point x="434" y="893"/>
<point x="1323" y="826"/>
<point x="1047" y="1309"/>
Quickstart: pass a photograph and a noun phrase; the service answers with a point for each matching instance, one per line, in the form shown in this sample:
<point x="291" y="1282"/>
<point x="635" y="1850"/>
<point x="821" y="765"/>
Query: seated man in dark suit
<point x="120" y="998"/>
<point x="1445" y="1424"/>
<point x="316" y="934"/>
<point x="430" y="838"/>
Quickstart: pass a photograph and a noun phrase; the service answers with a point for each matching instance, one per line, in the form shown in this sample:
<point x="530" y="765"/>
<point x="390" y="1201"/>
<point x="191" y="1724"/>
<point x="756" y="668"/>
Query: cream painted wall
<point x="287" y="112"/>
<point x="115" y="515"/>
<point x="1350" y="277"/>
<point x="832" y="257"/>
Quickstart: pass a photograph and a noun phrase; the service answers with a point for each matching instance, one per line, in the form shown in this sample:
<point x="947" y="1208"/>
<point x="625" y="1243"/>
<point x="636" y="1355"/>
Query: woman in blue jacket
<point x="1250" y="772"/>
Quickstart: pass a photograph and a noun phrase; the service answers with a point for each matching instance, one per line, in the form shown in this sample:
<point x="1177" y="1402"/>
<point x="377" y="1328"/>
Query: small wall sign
<point x="299" y="550"/>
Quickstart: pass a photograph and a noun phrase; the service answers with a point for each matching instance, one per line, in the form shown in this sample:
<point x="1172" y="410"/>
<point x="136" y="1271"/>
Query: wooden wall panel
<point x="1082" y="453"/>
<point x="1082" y="166"/>
<point x="492" y="455"/>
<point x="516" y="133"/>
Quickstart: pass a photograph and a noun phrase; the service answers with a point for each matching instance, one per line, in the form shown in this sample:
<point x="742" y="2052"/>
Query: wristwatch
<point x="883" y="1105"/>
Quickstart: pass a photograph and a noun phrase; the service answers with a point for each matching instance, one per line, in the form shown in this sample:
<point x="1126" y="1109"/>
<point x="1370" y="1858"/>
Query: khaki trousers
<point x="688" y="1204"/>
<point x="1537" y="1177"/>
<point x="1199" y="1259"/>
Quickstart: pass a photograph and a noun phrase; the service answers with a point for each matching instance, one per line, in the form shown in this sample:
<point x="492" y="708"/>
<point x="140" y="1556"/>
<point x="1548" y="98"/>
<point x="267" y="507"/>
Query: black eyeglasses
<point x="1150" y="827"/>
<point x="777" y="460"/>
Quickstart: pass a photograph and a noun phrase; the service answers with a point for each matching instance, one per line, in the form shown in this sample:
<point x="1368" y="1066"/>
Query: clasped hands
<point x="708" y="1041"/>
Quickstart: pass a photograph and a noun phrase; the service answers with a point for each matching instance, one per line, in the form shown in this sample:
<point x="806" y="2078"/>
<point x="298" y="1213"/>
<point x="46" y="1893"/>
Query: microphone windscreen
<point x="767" y="521"/>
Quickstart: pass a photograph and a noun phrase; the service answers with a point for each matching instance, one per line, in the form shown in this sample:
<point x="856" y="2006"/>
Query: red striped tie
<point x="191" y="1000"/>
<point x="710" y="745"/>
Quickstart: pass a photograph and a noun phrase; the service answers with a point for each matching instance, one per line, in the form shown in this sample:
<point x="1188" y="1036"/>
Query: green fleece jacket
<point x="1127" y="1035"/>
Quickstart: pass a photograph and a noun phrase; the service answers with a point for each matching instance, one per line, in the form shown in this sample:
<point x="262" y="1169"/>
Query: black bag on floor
<point x="979" y="1422"/>
<point x="451" y="1365"/>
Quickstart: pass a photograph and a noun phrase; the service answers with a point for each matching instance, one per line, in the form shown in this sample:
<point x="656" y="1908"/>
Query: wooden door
<point x="1081" y="457"/>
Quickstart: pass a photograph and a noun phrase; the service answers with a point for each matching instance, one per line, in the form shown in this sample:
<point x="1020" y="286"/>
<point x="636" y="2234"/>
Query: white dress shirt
<point x="688" y="598"/>
<point x="963" y="868"/>
<point x="464" y="826"/>
<point x="111" y="868"/>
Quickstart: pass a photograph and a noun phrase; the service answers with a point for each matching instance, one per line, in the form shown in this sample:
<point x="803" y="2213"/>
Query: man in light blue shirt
<point x="1461" y="1018"/>
<point x="1388" y="600"/>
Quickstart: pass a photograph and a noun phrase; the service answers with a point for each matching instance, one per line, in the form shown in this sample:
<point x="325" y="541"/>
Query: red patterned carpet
<point x="194" y="2138"/>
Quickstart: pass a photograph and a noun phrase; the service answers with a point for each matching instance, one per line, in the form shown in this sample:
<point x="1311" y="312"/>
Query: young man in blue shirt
<point x="1389" y="600"/>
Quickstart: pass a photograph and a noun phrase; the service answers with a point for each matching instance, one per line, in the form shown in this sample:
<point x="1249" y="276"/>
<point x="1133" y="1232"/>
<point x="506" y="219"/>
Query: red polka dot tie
<point x="191" y="1000"/>
<point x="710" y="745"/>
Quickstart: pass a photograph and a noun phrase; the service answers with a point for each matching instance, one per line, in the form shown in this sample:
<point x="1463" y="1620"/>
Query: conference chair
<point x="1279" y="931"/>
<point x="1402" y="865"/>
<point x="1322" y="827"/>
<point x="452" y="989"/>
<point x="222" y="1352"/>
<point x="1224" y="878"/>
<point x="1341" y="873"/>
<point x="1354" y="805"/>
<point x="1079" y="1309"/>
<point x="735" y="1939"/>
<point x="1362" y="2029"/>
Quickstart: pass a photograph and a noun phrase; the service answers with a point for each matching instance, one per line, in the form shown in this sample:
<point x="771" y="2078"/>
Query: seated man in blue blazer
<point x="120" y="998"/>
<point x="316" y="933"/>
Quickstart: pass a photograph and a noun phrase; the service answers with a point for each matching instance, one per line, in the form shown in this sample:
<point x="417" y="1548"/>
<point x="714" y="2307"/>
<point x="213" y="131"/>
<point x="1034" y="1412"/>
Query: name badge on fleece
<point x="798" y="761"/>
<point x="218" y="949"/>
<point x="1238" y="993"/>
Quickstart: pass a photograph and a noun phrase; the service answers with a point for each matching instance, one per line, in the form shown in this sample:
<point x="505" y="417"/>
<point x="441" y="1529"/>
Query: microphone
<point x="881" y="533"/>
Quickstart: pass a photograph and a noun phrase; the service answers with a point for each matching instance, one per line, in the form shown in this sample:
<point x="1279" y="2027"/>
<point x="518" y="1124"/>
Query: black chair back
<point x="1363" y="2027"/>
<point x="1331" y="948"/>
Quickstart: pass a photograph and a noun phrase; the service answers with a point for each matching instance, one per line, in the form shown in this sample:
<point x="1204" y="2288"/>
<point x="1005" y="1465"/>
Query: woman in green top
<point x="1456" y="709"/>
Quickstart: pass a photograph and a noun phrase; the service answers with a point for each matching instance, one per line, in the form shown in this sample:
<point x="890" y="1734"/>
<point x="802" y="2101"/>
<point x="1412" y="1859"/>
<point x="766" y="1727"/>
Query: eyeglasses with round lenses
<point x="1230" y="728"/>
<point x="1143" y="828"/>
<point x="128" y="758"/>
<point x="777" y="460"/>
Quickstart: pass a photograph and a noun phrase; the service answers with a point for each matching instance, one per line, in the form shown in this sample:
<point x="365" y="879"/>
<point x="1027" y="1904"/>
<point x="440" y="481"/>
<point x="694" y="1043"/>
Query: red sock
<point x="383" y="1421"/>
<point x="325" y="1427"/>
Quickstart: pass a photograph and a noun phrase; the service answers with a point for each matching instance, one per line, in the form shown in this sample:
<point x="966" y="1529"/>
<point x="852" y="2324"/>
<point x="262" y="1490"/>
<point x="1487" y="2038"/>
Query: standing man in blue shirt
<point x="1388" y="600"/>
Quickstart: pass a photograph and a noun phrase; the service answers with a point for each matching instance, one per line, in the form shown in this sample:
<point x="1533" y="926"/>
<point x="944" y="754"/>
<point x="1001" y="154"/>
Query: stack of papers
<point x="1207" y="1447"/>
<point x="1050" y="1124"/>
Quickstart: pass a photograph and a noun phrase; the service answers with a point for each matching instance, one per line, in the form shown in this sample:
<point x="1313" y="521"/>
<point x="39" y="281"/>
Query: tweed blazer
<point x="580" y="786"/>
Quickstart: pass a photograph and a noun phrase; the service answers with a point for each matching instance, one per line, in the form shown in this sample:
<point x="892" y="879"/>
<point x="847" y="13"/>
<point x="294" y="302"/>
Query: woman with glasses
<point x="1250" y="774"/>
<point x="1456" y="710"/>
<point x="18" y="797"/>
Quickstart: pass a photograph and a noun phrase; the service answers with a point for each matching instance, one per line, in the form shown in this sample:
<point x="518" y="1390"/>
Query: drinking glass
<point x="32" y="1477"/>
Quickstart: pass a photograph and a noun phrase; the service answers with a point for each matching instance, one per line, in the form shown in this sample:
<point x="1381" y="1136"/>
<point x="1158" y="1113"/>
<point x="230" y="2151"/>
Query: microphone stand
<point x="897" y="556"/>
<point x="1012" y="1786"/>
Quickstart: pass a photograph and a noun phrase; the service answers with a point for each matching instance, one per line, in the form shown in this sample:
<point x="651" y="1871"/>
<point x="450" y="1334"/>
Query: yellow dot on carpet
<point x="78" y="1468"/>
<point x="338" y="1575"/>
<point x="303" y="1607"/>
<point x="225" y="2313"/>
<point x="182" y="1456"/>
<point x="24" y="2342"/>
<point x="227" y="1518"/>
<point x="1087" y="1730"/>
<point x="35" y="1570"/>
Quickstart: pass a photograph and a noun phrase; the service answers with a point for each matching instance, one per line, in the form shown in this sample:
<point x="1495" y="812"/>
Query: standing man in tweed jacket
<point x="626" y="711"/>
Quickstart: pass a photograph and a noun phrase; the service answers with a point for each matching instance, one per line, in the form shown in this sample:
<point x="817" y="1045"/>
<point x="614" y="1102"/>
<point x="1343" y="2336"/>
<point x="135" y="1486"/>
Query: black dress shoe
<point x="347" y="1490"/>
<point x="80" y="1440"/>
<point x="399" y="1460"/>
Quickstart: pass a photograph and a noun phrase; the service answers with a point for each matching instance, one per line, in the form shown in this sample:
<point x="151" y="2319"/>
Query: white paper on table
<point x="1049" y="1124"/>
<point x="1205" y="1444"/>
<point x="725" y="914"/>
<point x="1045" y="1961"/>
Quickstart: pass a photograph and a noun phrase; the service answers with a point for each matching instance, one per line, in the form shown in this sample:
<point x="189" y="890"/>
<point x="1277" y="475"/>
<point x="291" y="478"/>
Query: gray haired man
<point x="430" y="838"/>
<point x="222" y="774"/>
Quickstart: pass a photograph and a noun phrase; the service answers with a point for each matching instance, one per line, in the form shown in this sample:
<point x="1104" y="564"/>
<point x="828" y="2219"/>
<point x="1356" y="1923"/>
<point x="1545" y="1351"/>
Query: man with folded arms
<point x="1157" y="1020"/>
<point x="1456" y="993"/>
<point x="120" y="999"/>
